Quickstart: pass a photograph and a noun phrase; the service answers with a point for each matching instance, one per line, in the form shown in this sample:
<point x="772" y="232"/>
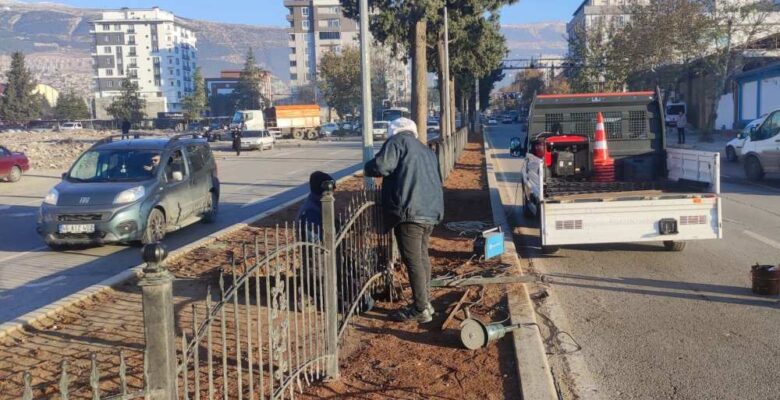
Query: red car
<point x="12" y="165"/>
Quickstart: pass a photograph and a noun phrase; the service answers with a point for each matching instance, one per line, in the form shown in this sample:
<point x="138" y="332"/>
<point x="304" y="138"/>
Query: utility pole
<point x="477" y="116"/>
<point x="445" y="102"/>
<point x="365" y="62"/>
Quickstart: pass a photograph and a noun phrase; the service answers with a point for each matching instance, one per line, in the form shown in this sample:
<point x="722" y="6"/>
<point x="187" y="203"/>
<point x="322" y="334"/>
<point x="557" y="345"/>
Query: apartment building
<point x="316" y="27"/>
<point x="597" y="13"/>
<point x="153" y="48"/>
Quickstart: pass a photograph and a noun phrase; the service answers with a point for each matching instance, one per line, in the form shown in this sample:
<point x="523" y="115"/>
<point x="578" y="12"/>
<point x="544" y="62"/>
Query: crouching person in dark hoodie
<point x="412" y="204"/>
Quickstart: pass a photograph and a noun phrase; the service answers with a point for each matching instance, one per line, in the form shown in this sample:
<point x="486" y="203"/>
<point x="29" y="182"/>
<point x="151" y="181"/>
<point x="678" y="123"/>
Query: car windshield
<point x="675" y="110"/>
<point x="115" y="166"/>
<point x="380" y="125"/>
<point x="252" y="134"/>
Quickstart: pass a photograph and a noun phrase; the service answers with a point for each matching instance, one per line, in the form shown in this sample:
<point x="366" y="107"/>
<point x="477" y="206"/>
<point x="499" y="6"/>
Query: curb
<point x="536" y="380"/>
<point x="49" y="310"/>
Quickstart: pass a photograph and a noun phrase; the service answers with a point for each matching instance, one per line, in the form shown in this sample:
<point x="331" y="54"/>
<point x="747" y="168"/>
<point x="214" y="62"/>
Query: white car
<point x="734" y="146"/>
<point x="380" y="129"/>
<point x="492" y="121"/>
<point x="257" y="140"/>
<point x="761" y="149"/>
<point x="329" y="128"/>
<point x="70" y="126"/>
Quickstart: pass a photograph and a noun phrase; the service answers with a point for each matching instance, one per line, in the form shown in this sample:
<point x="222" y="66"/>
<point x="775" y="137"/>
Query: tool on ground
<point x="455" y="309"/>
<point x="474" y="334"/>
<point x="603" y="164"/>
<point x="479" y="280"/>
<point x="766" y="279"/>
<point x="489" y="243"/>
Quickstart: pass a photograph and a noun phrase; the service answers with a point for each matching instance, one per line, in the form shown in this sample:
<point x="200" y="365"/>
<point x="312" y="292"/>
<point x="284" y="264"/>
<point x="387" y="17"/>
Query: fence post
<point x="331" y="286"/>
<point x="159" y="324"/>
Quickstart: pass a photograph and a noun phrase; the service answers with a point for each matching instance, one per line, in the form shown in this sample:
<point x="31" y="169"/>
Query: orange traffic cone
<point x="603" y="164"/>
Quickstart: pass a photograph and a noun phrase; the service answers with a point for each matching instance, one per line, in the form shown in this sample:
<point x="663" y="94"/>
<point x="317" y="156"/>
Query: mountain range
<point x="56" y="40"/>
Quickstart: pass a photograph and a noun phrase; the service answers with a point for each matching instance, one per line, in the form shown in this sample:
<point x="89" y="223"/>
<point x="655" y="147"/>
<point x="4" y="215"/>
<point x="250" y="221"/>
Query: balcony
<point x="132" y="54"/>
<point x="132" y="65"/>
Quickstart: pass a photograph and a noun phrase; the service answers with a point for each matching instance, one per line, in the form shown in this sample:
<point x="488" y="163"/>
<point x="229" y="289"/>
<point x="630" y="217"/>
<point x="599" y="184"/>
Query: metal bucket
<point x="766" y="279"/>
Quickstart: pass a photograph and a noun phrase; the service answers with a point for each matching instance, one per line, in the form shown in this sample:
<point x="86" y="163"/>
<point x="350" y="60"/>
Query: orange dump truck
<point x="297" y="121"/>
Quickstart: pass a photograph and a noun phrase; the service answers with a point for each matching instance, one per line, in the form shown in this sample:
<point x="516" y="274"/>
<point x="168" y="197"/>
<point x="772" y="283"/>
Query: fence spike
<point x="122" y="374"/>
<point x="269" y="317"/>
<point x="261" y="384"/>
<point x="64" y="380"/>
<point x="237" y="323"/>
<point x="27" y="378"/>
<point x="196" y="350"/>
<point x="209" y="343"/>
<point x="185" y="359"/>
<point x="94" y="378"/>
<point x="247" y="305"/>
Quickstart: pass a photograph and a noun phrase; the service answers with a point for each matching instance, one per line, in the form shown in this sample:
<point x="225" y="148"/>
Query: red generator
<point x="565" y="156"/>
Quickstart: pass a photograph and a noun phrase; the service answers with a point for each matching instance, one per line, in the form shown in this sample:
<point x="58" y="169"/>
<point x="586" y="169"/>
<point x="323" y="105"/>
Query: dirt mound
<point x="51" y="150"/>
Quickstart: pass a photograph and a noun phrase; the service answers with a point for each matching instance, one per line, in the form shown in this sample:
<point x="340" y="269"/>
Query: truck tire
<point x="731" y="154"/>
<point x="297" y="134"/>
<point x="673" y="245"/>
<point x="753" y="169"/>
<point x="550" y="250"/>
<point x="311" y="135"/>
<point x="527" y="212"/>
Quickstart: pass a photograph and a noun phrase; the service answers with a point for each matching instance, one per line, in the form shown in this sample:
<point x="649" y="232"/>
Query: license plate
<point x="77" y="228"/>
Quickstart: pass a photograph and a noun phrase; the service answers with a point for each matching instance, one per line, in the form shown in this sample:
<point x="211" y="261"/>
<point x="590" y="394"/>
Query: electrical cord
<point x="468" y="228"/>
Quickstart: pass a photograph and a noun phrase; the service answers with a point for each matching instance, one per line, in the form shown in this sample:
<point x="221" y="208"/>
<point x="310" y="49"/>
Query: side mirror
<point x="753" y="129"/>
<point x="177" y="176"/>
<point x="64" y="175"/>
<point x="740" y="135"/>
<point x="516" y="148"/>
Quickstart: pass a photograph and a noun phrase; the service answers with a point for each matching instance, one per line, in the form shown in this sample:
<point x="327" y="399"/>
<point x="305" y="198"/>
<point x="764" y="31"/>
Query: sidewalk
<point x="693" y="141"/>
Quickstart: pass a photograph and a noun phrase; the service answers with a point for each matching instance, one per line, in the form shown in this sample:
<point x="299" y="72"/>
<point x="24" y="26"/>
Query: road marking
<point x="2" y="260"/>
<point x="255" y="201"/>
<point x="764" y="239"/>
<point x="46" y="282"/>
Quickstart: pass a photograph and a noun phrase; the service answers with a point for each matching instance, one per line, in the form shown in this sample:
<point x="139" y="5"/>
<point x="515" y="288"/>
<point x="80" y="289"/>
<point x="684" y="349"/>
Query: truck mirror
<point x="516" y="148"/>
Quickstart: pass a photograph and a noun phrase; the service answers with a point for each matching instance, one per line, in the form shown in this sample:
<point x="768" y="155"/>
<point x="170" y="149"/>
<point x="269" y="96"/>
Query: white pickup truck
<point x="659" y="195"/>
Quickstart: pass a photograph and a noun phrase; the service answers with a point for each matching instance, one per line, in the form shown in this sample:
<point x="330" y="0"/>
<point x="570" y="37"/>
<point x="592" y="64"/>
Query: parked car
<point x="70" y="126"/>
<point x="126" y="191"/>
<point x="12" y="165"/>
<point x="492" y="121"/>
<point x="257" y="140"/>
<point x="380" y="129"/>
<point x="734" y="146"/>
<point x="761" y="149"/>
<point x="329" y="129"/>
<point x="507" y="120"/>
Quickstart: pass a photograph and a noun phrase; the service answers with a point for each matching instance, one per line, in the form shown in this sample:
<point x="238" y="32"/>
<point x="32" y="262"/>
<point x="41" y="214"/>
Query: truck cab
<point x="248" y="120"/>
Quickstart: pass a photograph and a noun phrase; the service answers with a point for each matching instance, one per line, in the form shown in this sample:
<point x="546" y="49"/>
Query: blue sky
<point x="271" y="12"/>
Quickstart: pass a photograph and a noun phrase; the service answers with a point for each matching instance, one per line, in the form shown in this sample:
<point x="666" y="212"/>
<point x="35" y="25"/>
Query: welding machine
<point x="489" y="243"/>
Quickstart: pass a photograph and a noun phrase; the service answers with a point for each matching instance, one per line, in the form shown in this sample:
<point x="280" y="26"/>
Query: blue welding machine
<point x="489" y="243"/>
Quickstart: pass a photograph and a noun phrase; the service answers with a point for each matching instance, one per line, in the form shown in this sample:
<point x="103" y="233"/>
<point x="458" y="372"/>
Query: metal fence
<point x="272" y="326"/>
<point x="448" y="149"/>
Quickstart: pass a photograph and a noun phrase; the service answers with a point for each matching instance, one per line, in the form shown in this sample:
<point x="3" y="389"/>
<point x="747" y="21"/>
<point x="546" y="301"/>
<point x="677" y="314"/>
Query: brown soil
<point x="381" y="359"/>
<point x="391" y="360"/>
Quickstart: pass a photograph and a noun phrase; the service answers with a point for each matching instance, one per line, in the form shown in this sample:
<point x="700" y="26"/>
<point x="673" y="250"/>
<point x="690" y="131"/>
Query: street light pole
<point x="445" y="103"/>
<point x="365" y="62"/>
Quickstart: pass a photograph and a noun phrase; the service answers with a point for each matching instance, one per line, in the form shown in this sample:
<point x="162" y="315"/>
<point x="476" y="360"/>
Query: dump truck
<point x="654" y="194"/>
<point x="293" y="121"/>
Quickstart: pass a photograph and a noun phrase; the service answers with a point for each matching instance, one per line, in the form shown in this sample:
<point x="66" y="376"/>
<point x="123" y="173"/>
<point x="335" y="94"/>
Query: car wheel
<point x="672" y="245"/>
<point x="527" y="212"/>
<point x="15" y="175"/>
<point x="155" y="227"/>
<point x="210" y="216"/>
<point x="731" y="154"/>
<point x="550" y="250"/>
<point x="753" y="169"/>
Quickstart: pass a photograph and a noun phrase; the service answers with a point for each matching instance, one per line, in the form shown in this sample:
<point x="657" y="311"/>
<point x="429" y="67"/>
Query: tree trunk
<point x="444" y="128"/>
<point x="420" y="79"/>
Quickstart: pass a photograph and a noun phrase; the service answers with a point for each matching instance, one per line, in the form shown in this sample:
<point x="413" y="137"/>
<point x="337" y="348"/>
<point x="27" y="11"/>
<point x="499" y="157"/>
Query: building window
<point x="106" y="27"/>
<point x="305" y="24"/>
<point x="110" y="83"/>
<point x="330" y="35"/>
<point x="107" y="49"/>
<point x="159" y="94"/>
<point x="177" y="61"/>
<point x="292" y="50"/>
<point x="292" y="37"/>
<point x="329" y="23"/>
<point x="178" y="83"/>
<point x="109" y="72"/>
<point x="293" y="77"/>
<point x="117" y="27"/>
<point x="305" y="11"/>
<point x="293" y="63"/>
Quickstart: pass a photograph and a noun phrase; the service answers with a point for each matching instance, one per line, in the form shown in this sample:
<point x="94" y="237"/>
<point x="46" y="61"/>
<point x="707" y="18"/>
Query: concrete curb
<point x="536" y="380"/>
<point x="48" y="311"/>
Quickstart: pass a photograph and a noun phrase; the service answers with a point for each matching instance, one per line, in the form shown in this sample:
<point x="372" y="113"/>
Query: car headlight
<point x="130" y="195"/>
<point x="52" y="197"/>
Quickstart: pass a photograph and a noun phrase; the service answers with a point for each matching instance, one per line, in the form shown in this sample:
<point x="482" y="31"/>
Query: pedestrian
<point x="237" y="141"/>
<point x="125" y="129"/>
<point x="310" y="213"/>
<point x="681" y="122"/>
<point x="412" y="204"/>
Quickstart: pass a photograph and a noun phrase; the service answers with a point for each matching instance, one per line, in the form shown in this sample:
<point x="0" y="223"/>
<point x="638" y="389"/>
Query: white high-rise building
<point x="153" y="48"/>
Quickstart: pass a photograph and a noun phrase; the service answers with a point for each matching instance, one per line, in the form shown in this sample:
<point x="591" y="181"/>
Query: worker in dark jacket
<point x="412" y="203"/>
<point x="125" y="129"/>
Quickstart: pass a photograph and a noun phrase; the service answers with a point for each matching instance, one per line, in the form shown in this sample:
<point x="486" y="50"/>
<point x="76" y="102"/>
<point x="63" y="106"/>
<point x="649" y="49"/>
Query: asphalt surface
<point x="32" y="276"/>
<point x="654" y="324"/>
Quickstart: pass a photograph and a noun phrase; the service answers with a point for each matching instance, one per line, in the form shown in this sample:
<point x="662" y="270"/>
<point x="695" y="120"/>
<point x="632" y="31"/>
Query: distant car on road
<point x="329" y="128"/>
<point x="135" y="190"/>
<point x="12" y="165"/>
<point x="734" y="146"/>
<point x="507" y="120"/>
<point x="70" y="126"/>
<point x="257" y="140"/>
<point x="380" y="129"/>
<point x="492" y="121"/>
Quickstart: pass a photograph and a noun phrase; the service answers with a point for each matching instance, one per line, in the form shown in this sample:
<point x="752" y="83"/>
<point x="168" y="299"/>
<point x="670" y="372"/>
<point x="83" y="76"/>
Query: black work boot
<point x="411" y="313"/>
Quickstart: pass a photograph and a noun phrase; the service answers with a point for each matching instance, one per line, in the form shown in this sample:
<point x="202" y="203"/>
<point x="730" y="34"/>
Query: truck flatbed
<point x="567" y="191"/>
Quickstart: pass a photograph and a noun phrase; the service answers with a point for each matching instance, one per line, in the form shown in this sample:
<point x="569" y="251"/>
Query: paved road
<point x="32" y="276"/>
<point x="654" y="324"/>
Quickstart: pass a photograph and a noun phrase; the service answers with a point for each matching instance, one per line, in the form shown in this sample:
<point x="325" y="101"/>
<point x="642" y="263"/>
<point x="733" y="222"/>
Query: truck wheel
<point x="550" y="250"/>
<point x="15" y="175"/>
<point x="155" y="227"/>
<point x="527" y="212"/>
<point x="311" y="135"/>
<point x="297" y="135"/>
<point x="210" y="216"/>
<point x="753" y="169"/>
<point x="731" y="154"/>
<point x="672" y="245"/>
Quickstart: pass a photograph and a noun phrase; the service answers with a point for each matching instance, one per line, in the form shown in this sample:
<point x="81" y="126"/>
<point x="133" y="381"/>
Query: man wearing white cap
<point x="412" y="204"/>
